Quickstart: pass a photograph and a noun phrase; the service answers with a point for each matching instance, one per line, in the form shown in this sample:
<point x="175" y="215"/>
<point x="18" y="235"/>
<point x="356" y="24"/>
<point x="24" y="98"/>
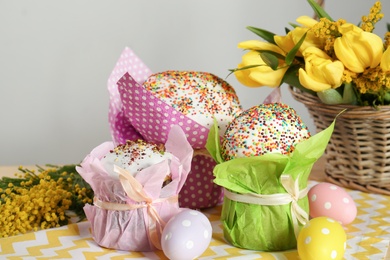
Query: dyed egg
<point x="329" y="200"/>
<point x="322" y="239"/>
<point x="186" y="236"/>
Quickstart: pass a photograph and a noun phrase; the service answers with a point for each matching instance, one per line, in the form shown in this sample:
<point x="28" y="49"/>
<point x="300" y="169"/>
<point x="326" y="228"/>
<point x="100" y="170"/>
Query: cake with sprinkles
<point x="134" y="156"/>
<point x="267" y="128"/>
<point x="200" y="96"/>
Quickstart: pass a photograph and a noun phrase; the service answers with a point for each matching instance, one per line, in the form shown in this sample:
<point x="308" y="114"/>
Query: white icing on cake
<point x="199" y="95"/>
<point x="262" y="129"/>
<point x="133" y="156"/>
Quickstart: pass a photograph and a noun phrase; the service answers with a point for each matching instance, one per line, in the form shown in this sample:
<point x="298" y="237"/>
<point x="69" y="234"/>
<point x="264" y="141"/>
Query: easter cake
<point x="144" y="105"/>
<point x="197" y="97"/>
<point x="136" y="187"/>
<point x="273" y="127"/>
<point x="264" y="160"/>
<point x="200" y="96"/>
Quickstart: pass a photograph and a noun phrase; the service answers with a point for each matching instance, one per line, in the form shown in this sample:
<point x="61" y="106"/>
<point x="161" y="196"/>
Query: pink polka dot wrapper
<point x="135" y="113"/>
<point x="153" y="118"/>
<point x="121" y="129"/>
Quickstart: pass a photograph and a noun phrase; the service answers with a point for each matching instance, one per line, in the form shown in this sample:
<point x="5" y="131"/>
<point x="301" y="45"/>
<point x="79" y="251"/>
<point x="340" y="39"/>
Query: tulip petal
<point x="333" y="73"/>
<point x="310" y="40"/>
<point x="349" y="27"/>
<point x="243" y="77"/>
<point x="286" y="43"/>
<point x="270" y="78"/>
<point x="306" y="21"/>
<point x="373" y="46"/>
<point x="385" y="61"/>
<point x="347" y="56"/>
<point x="309" y="83"/>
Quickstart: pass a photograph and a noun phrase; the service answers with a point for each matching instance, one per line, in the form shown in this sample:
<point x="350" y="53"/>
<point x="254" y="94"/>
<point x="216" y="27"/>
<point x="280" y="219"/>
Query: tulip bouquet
<point x="337" y="61"/>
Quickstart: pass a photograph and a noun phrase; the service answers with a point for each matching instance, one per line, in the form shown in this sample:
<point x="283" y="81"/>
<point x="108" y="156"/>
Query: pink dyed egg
<point x="186" y="236"/>
<point x="330" y="200"/>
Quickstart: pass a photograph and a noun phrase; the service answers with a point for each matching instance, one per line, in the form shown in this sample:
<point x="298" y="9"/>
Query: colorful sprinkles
<point x="274" y="127"/>
<point x="198" y="95"/>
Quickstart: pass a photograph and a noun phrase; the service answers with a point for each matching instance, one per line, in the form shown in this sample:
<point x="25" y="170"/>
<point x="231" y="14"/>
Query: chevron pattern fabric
<point x="368" y="238"/>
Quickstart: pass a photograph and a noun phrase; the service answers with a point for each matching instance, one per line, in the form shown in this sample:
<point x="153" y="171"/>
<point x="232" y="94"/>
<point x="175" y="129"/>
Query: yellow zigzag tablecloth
<point x="368" y="238"/>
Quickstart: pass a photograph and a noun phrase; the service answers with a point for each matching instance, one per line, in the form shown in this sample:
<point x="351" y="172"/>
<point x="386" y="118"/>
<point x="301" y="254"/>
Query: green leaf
<point x="213" y="144"/>
<point x="320" y="12"/>
<point x="277" y="55"/>
<point x="291" y="54"/>
<point x="388" y="27"/>
<point x="246" y="67"/>
<point x="330" y="97"/>
<point x="294" y="25"/>
<point x="387" y="97"/>
<point x="243" y="68"/>
<point x="349" y="95"/>
<point x="270" y="59"/>
<point x="266" y="35"/>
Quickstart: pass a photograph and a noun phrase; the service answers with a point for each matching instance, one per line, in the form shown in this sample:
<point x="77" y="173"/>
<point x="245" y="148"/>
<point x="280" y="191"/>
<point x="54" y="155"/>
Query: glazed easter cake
<point x="136" y="188"/>
<point x="147" y="108"/>
<point x="200" y="96"/>
<point x="263" y="162"/>
<point x="268" y="128"/>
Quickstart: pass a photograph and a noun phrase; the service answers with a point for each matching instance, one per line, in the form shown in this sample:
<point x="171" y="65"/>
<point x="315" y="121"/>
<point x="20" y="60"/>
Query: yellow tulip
<point x="258" y="76"/>
<point x="310" y="41"/>
<point x="385" y="61"/>
<point x="287" y="42"/>
<point x="320" y="73"/>
<point x="358" y="49"/>
<point x="348" y="27"/>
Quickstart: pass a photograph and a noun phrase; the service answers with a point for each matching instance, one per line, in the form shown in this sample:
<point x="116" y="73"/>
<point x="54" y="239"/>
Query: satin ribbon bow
<point x="298" y="213"/>
<point x="292" y="196"/>
<point x="134" y="191"/>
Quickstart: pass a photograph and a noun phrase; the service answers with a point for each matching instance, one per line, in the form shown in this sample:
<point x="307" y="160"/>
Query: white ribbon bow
<point x="292" y="196"/>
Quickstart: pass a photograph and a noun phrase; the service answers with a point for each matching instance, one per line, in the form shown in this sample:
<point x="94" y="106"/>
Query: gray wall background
<point x="56" y="56"/>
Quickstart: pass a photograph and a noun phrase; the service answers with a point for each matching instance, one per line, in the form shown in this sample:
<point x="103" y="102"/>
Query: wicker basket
<point x="358" y="154"/>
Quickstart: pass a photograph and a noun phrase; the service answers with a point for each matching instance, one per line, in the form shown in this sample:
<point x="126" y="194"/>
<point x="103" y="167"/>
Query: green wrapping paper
<point x="266" y="227"/>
